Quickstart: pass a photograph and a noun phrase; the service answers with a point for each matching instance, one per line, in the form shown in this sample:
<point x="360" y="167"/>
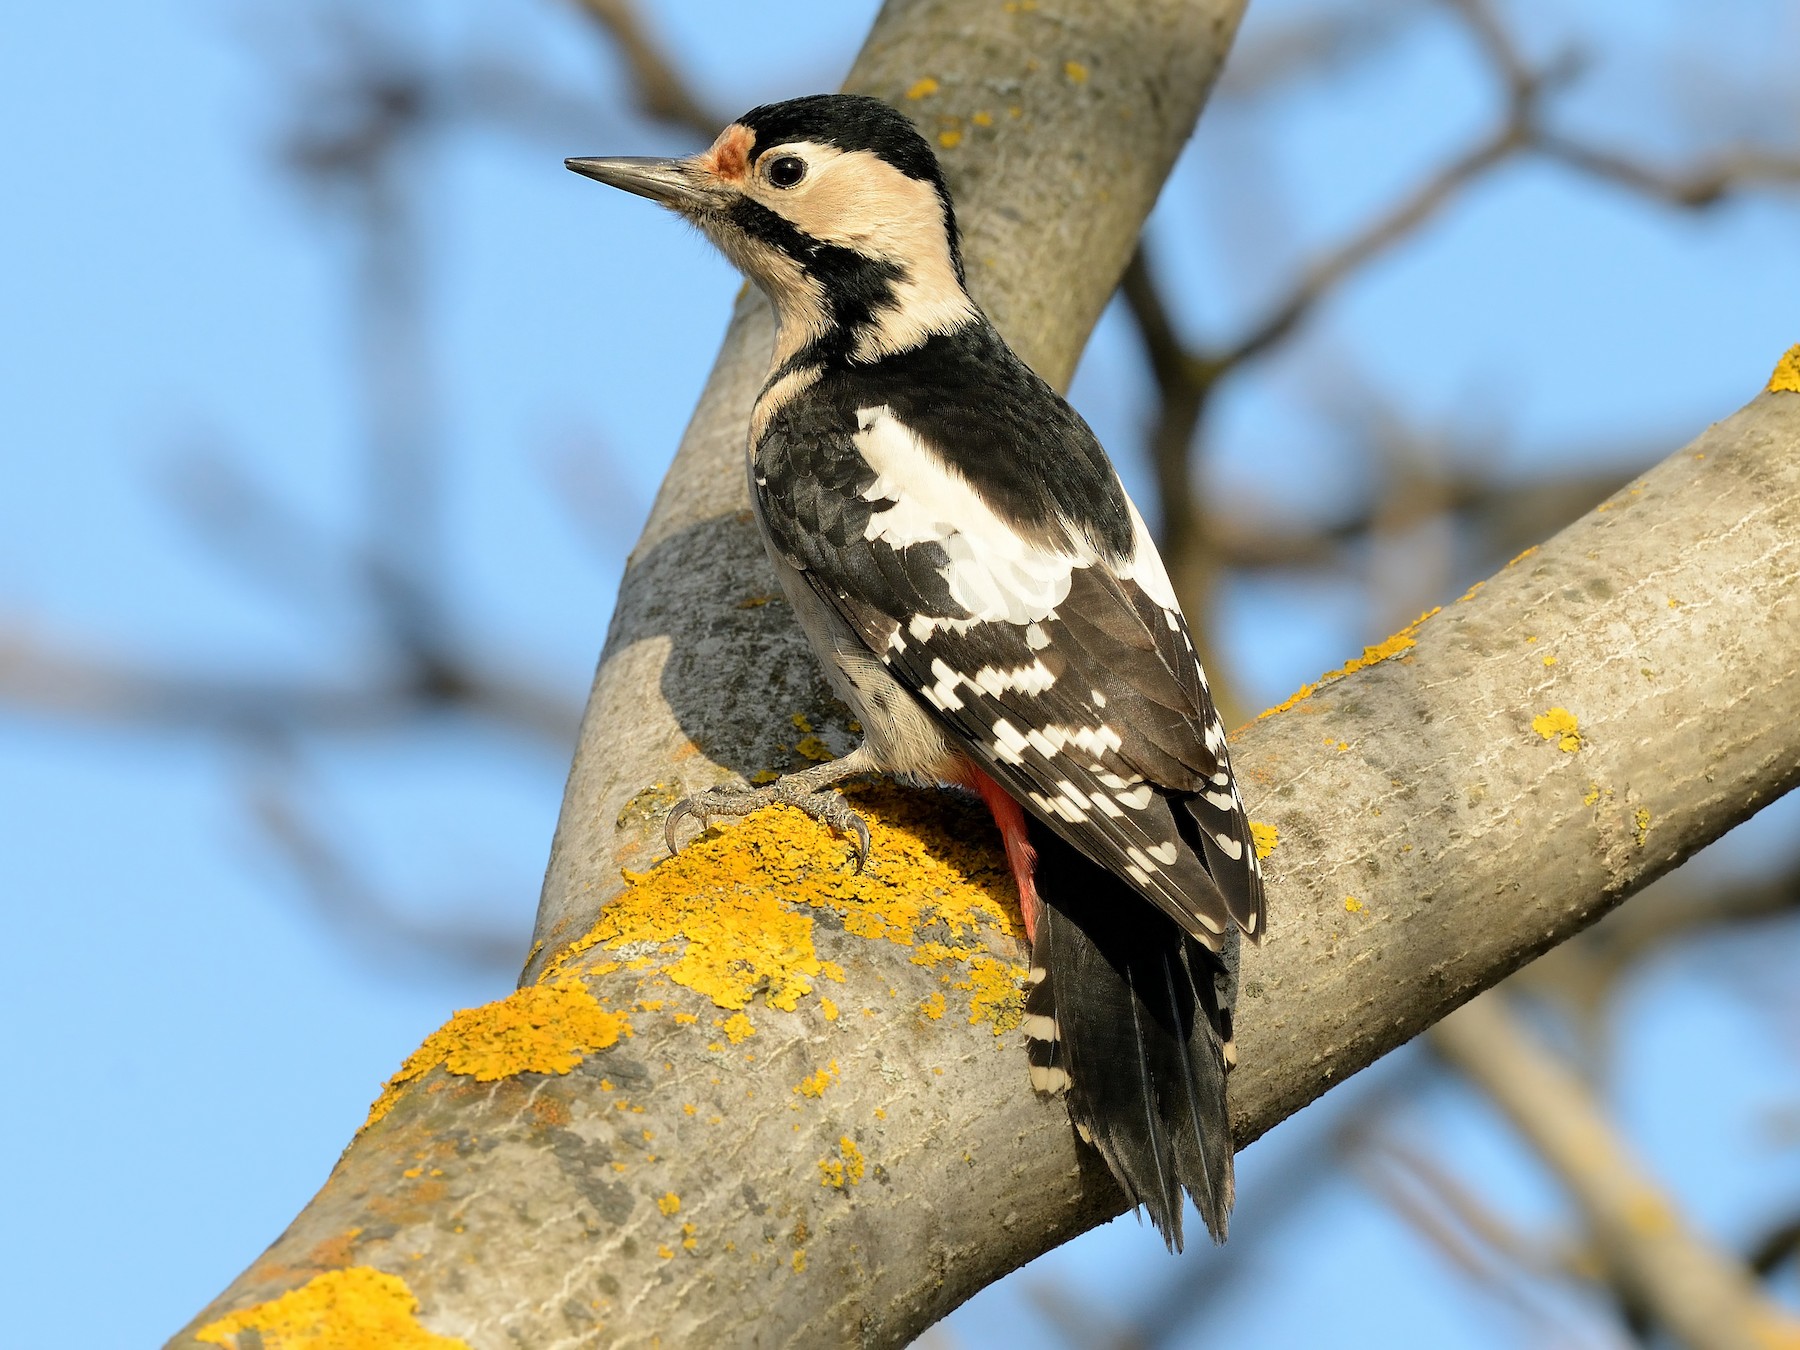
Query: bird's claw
<point x="824" y="805"/>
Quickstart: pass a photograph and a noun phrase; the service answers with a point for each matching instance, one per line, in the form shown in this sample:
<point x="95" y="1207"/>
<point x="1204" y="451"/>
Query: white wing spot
<point x="1048" y="1080"/>
<point x="1223" y="800"/>
<point x="943" y="693"/>
<point x="1036" y="638"/>
<point x="1136" y="799"/>
<point x="1039" y="1027"/>
<point x="1099" y="698"/>
<point x="1165" y="853"/>
<point x="1008" y="743"/>
<point x="1230" y="846"/>
<point x="1032" y="679"/>
<point x="1095" y="740"/>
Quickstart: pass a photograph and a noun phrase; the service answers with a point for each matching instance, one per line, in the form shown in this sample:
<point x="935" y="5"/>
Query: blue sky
<point x="191" y="1042"/>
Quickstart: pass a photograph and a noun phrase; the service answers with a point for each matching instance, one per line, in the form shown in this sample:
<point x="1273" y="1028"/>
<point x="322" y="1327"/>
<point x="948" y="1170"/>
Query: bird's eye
<point x="787" y="171"/>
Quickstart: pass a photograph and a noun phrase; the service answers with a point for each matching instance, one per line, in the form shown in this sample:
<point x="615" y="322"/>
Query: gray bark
<point x="1417" y="788"/>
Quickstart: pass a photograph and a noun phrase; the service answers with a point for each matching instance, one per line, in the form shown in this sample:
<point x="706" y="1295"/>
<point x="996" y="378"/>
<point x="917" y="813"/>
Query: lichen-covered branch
<point x="1705" y="1299"/>
<point x="749" y="1096"/>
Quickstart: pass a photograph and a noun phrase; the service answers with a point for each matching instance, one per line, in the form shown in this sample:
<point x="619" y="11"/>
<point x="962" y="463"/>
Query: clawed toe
<point x="823" y="805"/>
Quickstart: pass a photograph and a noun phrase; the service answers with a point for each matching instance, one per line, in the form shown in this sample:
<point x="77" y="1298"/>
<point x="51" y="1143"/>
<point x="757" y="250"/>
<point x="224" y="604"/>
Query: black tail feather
<point x="1131" y="1018"/>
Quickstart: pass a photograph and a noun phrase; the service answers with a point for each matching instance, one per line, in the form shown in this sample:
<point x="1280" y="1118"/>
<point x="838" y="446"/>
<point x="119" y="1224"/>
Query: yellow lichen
<point x="811" y="747"/>
<point x="759" y="778"/>
<point x="1549" y="660"/>
<point x="738" y="1029"/>
<point x="1593" y="795"/>
<point x="1523" y="556"/>
<point x="1265" y="838"/>
<point x="1559" y="725"/>
<point x="802" y="723"/>
<point x="360" y="1308"/>
<point x="829" y="1008"/>
<point x="846" y="1169"/>
<point x="1075" y="71"/>
<point x="933" y="1007"/>
<point x="1786" y="377"/>
<point x="799" y="1263"/>
<point x="542" y="1028"/>
<point x="924" y="88"/>
<point x="1641" y="818"/>
<point x="1405" y="640"/>
<point x="1352" y="905"/>
<point x="814" y="1084"/>
<point x="983" y="118"/>
<point x="731" y="915"/>
<point x="669" y="1203"/>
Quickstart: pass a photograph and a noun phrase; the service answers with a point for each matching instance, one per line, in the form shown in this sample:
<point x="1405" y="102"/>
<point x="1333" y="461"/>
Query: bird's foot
<point x="802" y="791"/>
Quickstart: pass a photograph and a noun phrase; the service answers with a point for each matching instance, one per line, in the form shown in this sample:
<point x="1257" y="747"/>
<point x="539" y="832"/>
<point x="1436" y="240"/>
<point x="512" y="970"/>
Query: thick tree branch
<point x="816" y="1129"/>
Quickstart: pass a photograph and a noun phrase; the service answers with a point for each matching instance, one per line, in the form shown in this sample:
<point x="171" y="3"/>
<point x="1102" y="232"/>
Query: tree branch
<point x="816" y="1125"/>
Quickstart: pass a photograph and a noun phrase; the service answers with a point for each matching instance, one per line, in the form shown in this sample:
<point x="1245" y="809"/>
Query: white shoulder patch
<point x="991" y="571"/>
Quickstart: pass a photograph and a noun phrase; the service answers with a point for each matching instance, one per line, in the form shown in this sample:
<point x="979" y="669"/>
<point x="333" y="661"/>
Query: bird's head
<point x="835" y="206"/>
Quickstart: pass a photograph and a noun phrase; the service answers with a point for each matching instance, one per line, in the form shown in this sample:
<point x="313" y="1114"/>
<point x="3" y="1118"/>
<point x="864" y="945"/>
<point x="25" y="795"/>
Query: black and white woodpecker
<point x="985" y="597"/>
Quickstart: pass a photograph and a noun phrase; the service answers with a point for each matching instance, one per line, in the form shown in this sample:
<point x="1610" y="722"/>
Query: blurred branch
<point x="1315" y="44"/>
<point x="1700" y="1295"/>
<point x="659" y="88"/>
<point x="1198" y="547"/>
<point x="344" y="898"/>
<point x="1779" y="1246"/>
<point x="37" y="676"/>
<point x="1581" y="975"/>
<point x="1266" y="1203"/>
<point x="1493" y="1256"/>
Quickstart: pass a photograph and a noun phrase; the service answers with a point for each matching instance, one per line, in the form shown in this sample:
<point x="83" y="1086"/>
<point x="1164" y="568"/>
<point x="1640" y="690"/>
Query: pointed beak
<point x="679" y="184"/>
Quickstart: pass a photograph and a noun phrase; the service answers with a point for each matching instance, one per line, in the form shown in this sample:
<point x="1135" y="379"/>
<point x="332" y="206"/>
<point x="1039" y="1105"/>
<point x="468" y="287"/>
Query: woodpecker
<point x="985" y="597"/>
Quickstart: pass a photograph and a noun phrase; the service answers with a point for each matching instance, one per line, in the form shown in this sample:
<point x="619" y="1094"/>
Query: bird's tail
<point x="1132" y="1018"/>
